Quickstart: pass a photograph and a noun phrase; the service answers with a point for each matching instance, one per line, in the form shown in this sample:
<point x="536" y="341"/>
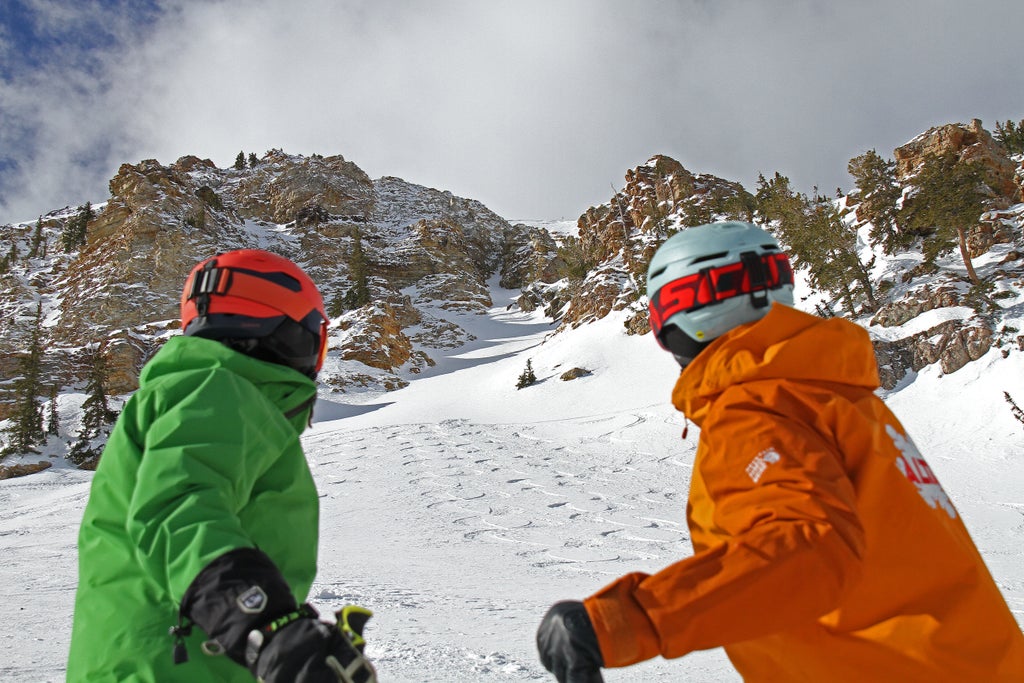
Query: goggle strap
<point x="204" y="282"/>
<point x="753" y="266"/>
<point x="760" y="273"/>
<point x="706" y="282"/>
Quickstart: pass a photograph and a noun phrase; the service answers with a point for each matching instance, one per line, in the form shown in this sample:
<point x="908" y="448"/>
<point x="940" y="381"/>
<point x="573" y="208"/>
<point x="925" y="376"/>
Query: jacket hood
<point x="288" y="389"/>
<point x="786" y="344"/>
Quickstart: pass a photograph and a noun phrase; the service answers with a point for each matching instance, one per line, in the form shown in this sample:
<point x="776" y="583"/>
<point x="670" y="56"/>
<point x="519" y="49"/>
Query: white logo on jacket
<point x="913" y="466"/>
<point x="760" y="463"/>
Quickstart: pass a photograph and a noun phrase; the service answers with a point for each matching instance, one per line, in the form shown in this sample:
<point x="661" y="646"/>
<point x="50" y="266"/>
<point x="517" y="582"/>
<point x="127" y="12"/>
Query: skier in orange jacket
<point x="825" y="548"/>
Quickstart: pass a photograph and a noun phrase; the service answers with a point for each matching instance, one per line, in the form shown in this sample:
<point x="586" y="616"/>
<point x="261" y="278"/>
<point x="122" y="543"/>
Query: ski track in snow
<point x="39" y="517"/>
<point x="458" y="535"/>
<point x="490" y="525"/>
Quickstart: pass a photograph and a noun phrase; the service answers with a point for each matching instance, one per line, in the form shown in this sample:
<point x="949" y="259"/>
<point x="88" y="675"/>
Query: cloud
<point x="535" y="107"/>
<point x="59" y="130"/>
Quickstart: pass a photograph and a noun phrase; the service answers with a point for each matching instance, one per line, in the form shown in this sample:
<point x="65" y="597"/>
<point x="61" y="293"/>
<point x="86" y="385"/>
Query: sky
<point x="537" y="108"/>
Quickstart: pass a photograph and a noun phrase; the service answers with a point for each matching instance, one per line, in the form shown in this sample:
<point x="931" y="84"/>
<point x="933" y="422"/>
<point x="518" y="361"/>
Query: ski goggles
<point x="752" y="275"/>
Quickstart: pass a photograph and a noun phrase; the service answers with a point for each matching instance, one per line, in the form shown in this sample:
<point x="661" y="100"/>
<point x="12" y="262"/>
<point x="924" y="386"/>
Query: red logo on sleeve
<point x="913" y="466"/>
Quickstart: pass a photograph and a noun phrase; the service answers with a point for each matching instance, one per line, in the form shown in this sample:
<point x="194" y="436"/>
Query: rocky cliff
<point x="616" y="240"/>
<point x="925" y="315"/>
<point x="424" y="250"/>
<point x="969" y="142"/>
<point x="969" y="318"/>
<point x="427" y="253"/>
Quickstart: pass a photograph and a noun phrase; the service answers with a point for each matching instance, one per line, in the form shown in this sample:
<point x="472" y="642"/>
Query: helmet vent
<point x="277" y="277"/>
<point x="709" y="257"/>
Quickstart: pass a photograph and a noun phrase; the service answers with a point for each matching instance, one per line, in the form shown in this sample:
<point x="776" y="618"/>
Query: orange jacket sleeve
<point x="776" y="538"/>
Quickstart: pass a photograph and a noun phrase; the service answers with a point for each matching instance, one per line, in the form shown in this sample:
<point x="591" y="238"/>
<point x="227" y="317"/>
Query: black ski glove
<point x="299" y="648"/>
<point x="568" y="645"/>
<point x="249" y="613"/>
<point x="239" y="591"/>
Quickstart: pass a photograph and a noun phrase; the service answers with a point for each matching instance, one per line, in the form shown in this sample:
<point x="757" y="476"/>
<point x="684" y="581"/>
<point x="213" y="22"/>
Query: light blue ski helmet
<point x="706" y="280"/>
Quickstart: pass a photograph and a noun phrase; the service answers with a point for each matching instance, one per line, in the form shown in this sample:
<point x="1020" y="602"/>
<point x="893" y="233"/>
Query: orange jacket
<point x="824" y="547"/>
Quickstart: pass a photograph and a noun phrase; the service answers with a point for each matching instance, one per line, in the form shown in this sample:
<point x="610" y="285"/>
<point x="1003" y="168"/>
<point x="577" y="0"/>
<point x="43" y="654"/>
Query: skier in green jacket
<point x="199" y="539"/>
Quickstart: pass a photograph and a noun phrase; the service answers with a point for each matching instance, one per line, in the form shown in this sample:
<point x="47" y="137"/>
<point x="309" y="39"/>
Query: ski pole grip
<point x="351" y="621"/>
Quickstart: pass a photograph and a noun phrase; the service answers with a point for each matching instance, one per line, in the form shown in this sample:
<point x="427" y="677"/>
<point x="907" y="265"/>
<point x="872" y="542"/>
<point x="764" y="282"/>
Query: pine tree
<point x="777" y="202"/>
<point x="817" y="240"/>
<point x="53" y="426"/>
<point x="358" y="270"/>
<point x="96" y="412"/>
<point x="836" y="266"/>
<point x="948" y="199"/>
<point x="1018" y="414"/>
<point x="26" y="429"/>
<point x="240" y="161"/>
<point x="37" y="239"/>
<point x="1011" y="136"/>
<point x="253" y="160"/>
<point x="875" y="179"/>
<point x="527" y="377"/>
<point x="76" y="229"/>
<point x="786" y="211"/>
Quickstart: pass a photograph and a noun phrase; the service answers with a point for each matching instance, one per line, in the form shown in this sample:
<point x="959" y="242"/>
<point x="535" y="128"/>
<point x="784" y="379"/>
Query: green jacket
<point x="202" y="460"/>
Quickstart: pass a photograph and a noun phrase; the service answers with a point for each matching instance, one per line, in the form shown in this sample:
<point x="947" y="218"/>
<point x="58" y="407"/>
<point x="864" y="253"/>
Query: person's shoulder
<point x="188" y="384"/>
<point x="188" y="360"/>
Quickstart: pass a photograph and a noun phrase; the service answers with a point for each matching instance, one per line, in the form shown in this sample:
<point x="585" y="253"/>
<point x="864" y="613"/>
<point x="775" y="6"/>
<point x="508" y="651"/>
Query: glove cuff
<point x="238" y="592"/>
<point x="259" y="637"/>
<point x="624" y="630"/>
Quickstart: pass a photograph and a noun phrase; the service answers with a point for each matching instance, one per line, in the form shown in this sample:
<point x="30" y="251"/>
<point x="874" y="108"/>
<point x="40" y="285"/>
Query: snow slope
<point x="460" y="508"/>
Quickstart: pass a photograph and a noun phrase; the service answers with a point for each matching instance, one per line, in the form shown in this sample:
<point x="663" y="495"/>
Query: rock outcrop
<point x="282" y="188"/>
<point x="23" y="469"/>
<point x="530" y="255"/>
<point x="422" y="249"/>
<point x="969" y="142"/>
<point x="952" y="344"/>
<point x="618" y="239"/>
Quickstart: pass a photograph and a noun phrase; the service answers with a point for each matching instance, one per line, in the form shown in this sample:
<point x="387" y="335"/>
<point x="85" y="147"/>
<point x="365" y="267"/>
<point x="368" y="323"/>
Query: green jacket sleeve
<point x="210" y="436"/>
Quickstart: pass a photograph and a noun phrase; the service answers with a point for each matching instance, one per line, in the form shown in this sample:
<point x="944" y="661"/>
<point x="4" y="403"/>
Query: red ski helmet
<point x="256" y="295"/>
